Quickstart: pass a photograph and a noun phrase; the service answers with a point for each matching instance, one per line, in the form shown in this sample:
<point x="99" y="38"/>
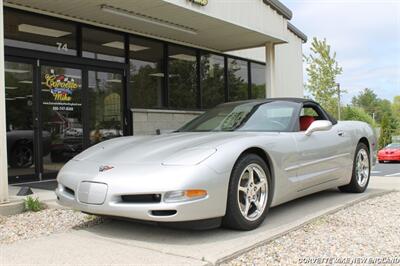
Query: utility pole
<point x="338" y="92"/>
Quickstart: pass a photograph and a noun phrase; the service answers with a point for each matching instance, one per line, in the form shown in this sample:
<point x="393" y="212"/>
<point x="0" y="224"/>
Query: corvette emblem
<point x="104" y="168"/>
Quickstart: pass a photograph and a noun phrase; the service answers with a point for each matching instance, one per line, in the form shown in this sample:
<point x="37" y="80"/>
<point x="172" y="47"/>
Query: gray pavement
<point x="121" y="242"/>
<point x="386" y="169"/>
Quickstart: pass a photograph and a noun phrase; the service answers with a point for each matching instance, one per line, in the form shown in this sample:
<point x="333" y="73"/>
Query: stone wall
<point x="147" y="121"/>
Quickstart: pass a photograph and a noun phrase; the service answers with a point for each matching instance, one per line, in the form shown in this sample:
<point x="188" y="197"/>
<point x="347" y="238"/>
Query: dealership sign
<point x="61" y="87"/>
<point x="200" y="2"/>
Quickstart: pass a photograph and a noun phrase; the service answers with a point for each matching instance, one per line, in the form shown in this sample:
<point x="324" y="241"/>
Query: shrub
<point x="33" y="204"/>
<point x="358" y="114"/>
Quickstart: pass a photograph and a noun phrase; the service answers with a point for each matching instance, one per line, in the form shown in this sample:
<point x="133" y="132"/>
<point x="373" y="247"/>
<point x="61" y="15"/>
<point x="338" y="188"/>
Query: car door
<point x="322" y="154"/>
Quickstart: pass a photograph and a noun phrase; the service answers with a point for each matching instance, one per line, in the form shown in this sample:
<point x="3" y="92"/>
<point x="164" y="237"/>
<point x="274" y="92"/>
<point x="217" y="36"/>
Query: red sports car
<point x="390" y="153"/>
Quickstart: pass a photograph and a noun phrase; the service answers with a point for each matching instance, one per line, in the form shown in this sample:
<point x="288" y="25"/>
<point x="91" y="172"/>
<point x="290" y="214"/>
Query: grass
<point x="33" y="204"/>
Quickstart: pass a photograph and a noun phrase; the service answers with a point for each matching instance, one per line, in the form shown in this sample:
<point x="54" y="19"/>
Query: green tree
<point x="396" y="114"/>
<point x="367" y="100"/>
<point x="385" y="137"/>
<point x="357" y="114"/>
<point x="322" y="69"/>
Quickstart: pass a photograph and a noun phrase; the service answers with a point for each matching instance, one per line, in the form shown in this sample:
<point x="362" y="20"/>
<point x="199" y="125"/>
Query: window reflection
<point x="29" y="31"/>
<point x="257" y="81"/>
<point x="104" y="45"/>
<point x="105" y="93"/>
<point x="182" y="64"/>
<point x="62" y="135"/>
<point x="212" y="80"/>
<point x="19" y="120"/>
<point x="237" y="79"/>
<point x="147" y="73"/>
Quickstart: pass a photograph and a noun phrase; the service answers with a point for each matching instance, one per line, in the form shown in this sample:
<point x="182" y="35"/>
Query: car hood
<point x="157" y="149"/>
<point x="390" y="150"/>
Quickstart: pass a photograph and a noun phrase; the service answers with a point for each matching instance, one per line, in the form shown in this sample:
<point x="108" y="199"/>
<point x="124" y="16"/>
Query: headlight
<point x="184" y="195"/>
<point x="189" y="156"/>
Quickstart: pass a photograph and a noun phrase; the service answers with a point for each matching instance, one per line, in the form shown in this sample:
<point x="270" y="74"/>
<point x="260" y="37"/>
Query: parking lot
<point x="125" y="242"/>
<point x="386" y="169"/>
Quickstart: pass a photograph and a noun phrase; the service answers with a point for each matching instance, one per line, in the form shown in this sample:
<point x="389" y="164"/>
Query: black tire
<point x="21" y="156"/>
<point x="233" y="218"/>
<point x="354" y="186"/>
<point x="381" y="161"/>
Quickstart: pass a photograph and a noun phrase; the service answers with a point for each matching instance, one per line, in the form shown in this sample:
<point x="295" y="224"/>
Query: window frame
<point x="125" y="67"/>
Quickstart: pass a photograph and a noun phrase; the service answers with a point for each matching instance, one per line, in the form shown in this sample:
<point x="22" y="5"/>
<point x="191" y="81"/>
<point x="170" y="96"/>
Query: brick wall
<point x="147" y="121"/>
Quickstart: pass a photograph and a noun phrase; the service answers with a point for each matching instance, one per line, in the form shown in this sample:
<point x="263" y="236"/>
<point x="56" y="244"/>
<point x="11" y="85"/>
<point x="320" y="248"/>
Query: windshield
<point x="393" y="146"/>
<point x="253" y="116"/>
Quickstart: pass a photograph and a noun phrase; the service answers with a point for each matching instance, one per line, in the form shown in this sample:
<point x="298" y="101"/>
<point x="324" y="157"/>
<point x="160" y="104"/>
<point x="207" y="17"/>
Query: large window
<point x="105" y="93"/>
<point x="238" y="81"/>
<point x="29" y="31"/>
<point x="182" y="65"/>
<point x="146" y="72"/>
<point x="19" y="119"/>
<point x="212" y="80"/>
<point x="257" y="81"/>
<point x="104" y="45"/>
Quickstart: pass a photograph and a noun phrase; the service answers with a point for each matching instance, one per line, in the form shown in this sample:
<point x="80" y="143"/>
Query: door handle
<point x="340" y="133"/>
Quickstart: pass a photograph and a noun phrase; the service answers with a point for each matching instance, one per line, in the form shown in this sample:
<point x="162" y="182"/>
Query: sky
<point x="365" y="35"/>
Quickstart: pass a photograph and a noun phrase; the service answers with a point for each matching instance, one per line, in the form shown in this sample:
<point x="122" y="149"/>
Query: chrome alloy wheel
<point x="362" y="167"/>
<point x="252" y="192"/>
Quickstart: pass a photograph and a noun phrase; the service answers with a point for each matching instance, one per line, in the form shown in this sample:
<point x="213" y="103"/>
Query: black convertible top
<point x="285" y="99"/>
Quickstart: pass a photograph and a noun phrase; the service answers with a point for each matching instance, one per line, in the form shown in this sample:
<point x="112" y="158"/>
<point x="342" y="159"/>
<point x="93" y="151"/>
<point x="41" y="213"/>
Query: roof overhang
<point x="297" y="32"/>
<point x="176" y="21"/>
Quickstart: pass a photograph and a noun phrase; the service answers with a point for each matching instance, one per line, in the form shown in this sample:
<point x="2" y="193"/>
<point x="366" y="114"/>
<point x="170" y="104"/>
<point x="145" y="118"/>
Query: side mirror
<point x="318" y="125"/>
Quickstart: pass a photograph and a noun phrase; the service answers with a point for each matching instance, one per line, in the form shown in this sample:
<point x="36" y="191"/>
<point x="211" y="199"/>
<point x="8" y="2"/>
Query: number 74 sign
<point x="62" y="46"/>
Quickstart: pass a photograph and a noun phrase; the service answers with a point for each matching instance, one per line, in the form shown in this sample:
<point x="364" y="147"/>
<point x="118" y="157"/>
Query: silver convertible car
<point x="229" y="165"/>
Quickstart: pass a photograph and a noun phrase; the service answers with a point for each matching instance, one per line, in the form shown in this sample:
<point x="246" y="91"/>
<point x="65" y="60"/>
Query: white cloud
<point x="365" y="35"/>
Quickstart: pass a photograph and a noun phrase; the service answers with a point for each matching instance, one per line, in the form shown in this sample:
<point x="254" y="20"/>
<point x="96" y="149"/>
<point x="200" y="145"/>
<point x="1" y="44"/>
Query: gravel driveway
<point x="369" y="230"/>
<point x="35" y="224"/>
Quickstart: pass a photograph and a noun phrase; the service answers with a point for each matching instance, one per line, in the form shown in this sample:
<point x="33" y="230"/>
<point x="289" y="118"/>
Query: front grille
<point x="141" y="198"/>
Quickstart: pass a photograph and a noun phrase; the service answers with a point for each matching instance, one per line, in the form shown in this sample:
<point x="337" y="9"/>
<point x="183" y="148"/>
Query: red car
<point x="390" y="153"/>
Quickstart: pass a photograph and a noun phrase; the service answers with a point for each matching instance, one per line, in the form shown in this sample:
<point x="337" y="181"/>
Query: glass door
<point x="62" y="116"/>
<point x="105" y="94"/>
<point x="20" y="110"/>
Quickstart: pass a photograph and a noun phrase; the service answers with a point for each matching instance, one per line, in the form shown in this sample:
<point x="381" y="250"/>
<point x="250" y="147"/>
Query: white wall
<point x="3" y="138"/>
<point x="257" y="54"/>
<point x="289" y="68"/>
<point x="288" y="65"/>
<point x="258" y="16"/>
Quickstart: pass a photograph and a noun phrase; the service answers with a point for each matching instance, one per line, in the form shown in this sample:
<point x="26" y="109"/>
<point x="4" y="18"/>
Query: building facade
<point x="80" y="72"/>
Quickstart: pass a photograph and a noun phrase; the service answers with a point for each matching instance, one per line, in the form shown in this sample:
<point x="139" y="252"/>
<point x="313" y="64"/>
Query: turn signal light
<point x="184" y="195"/>
<point x="195" y="193"/>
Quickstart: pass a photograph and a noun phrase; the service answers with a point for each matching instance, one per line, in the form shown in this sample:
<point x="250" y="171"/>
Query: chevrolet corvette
<point x="390" y="153"/>
<point x="227" y="166"/>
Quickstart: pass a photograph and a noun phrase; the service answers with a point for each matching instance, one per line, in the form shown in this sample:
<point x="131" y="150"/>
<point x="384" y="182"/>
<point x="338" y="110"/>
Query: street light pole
<point x="338" y="92"/>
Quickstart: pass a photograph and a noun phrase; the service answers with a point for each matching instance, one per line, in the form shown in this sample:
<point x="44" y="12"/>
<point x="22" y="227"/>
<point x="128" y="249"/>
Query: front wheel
<point x="361" y="171"/>
<point x="249" y="193"/>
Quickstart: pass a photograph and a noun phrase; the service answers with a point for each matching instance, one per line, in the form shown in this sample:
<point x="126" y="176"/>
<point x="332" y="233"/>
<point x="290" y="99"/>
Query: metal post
<point x="338" y="91"/>
<point x="3" y="133"/>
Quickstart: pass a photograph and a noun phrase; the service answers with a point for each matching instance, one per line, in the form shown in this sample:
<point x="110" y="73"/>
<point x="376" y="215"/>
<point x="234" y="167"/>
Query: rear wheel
<point x="21" y="156"/>
<point x="361" y="171"/>
<point x="249" y="193"/>
<point x="381" y="161"/>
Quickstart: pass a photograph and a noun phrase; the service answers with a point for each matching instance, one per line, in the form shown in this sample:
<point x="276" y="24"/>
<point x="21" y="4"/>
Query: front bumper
<point x="388" y="157"/>
<point x="83" y="187"/>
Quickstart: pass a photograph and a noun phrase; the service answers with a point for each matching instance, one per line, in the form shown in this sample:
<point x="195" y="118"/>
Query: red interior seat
<point x="305" y="122"/>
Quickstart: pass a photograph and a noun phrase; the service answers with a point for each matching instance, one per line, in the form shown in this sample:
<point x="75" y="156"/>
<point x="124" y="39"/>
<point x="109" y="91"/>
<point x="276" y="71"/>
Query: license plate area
<point x="92" y="192"/>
